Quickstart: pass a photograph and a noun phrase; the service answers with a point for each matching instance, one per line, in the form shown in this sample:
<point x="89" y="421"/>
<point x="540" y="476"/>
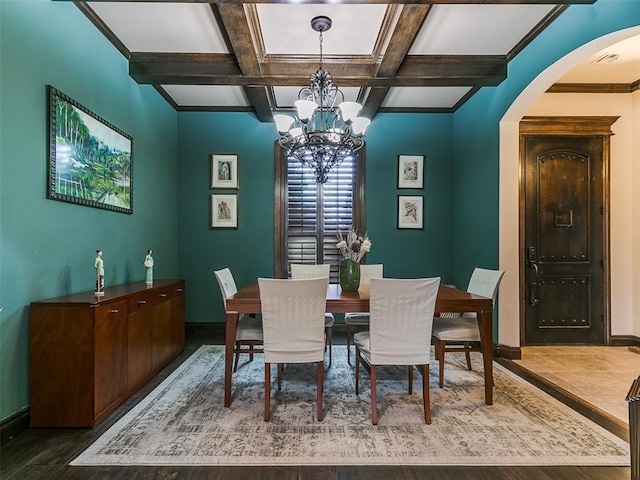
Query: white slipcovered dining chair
<point x="458" y="332"/>
<point x="293" y="322"/>
<point x="249" y="330"/>
<point x="399" y="333"/>
<point x="360" y="319"/>
<point x="302" y="271"/>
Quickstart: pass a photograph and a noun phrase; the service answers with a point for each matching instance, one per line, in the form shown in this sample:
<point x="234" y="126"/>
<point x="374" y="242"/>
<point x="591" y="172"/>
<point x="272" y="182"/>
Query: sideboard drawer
<point x="110" y="311"/>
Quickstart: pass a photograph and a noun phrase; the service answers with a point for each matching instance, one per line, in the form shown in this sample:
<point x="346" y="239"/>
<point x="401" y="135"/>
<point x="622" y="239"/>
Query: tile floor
<point x="602" y="376"/>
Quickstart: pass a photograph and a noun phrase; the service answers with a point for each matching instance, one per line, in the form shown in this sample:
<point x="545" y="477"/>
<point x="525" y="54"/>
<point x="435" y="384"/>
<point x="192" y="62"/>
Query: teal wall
<point x="249" y="250"/>
<point x="476" y="127"/>
<point x="47" y="247"/>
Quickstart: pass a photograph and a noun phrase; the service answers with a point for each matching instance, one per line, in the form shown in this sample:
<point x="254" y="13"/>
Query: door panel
<point x="564" y="240"/>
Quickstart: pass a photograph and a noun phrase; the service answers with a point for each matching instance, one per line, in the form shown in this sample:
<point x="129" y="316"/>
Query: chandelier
<point x="326" y="130"/>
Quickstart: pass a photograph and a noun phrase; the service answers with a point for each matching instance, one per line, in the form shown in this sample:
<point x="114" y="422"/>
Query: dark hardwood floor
<point x="44" y="454"/>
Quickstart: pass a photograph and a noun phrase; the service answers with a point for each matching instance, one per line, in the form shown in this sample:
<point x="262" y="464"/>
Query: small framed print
<point x="410" y="211"/>
<point x="410" y="171"/>
<point x="224" y="171"/>
<point x="224" y="210"/>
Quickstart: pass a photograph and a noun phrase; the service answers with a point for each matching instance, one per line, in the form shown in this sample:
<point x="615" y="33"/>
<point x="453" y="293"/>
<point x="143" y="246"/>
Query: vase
<point x="349" y="275"/>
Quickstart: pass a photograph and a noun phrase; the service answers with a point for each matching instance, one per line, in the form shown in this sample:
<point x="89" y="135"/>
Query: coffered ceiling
<point x="390" y="56"/>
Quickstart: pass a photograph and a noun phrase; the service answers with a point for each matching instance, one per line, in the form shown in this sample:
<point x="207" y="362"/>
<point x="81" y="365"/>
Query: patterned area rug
<point x="183" y="421"/>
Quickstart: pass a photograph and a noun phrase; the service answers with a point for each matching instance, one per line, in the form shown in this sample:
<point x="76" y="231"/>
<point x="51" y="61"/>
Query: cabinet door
<point x="110" y="363"/>
<point x="140" y="366"/>
<point x="161" y="335"/>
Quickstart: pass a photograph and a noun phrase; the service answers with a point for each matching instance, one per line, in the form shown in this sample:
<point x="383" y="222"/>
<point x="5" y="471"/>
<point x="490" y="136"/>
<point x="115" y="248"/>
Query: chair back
<point x="401" y="320"/>
<point x="485" y="282"/>
<point x="367" y="272"/>
<point x="226" y="283"/>
<point x="301" y="271"/>
<point x="293" y="319"/>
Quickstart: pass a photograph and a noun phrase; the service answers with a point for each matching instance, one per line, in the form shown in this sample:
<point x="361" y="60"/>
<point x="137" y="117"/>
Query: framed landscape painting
<point x="410" y="211"/>
<point x="90" y="160"/>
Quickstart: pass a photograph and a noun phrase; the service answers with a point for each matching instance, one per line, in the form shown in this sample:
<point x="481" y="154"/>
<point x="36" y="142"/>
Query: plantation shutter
<point x="312" y="214"/>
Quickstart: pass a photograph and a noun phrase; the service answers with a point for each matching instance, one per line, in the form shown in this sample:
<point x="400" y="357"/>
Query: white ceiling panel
<point x="206" y="95"/>
<point x="163" y="27"/>
<point x="476" y="29"/>
<point x="424" y="97"/>
<point x="286" y="29"/>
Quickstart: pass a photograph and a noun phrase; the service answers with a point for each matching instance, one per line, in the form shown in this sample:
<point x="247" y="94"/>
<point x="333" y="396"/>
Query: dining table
<point x="247" y="300"/>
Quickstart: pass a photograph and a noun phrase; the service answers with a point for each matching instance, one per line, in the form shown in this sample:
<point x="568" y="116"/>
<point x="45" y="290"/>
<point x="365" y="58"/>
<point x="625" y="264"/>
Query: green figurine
<point x="148" y="266"/>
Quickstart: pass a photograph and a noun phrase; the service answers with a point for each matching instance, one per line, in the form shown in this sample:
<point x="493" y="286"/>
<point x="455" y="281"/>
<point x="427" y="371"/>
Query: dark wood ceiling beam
<point x="404" y="34"/>
<point x="409" y="23"/>
<point x="238" y="34"/>
<point x="222" y="69"/>
<point x="591" y="88"/>
<point x="491" y="69"/>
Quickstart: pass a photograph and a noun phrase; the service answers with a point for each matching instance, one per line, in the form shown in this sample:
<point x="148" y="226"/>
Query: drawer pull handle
<point x="179" y="290"/>
<point x="114" y="311"/>
<point x="162" y="295"/>
<point x="141" y="302"/>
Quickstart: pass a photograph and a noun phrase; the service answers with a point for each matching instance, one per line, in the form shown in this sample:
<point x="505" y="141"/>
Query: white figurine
<point x="99" y="266"/>
<point x="148" y="266"/>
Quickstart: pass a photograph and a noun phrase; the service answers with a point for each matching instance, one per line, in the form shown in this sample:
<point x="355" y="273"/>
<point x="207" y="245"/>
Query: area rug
<point x="183" y="421"/>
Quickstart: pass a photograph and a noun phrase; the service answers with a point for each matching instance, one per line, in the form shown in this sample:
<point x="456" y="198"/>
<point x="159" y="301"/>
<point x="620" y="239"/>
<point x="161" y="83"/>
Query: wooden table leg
<point x="230" y="339"/>
<point x="485" y="323"/>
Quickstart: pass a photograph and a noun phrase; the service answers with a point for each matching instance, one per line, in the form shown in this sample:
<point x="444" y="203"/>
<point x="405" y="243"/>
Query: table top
<point x="247" y="300"/>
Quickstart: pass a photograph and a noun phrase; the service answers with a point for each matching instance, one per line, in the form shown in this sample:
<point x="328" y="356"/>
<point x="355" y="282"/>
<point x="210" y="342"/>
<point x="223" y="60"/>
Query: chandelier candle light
<point x="322" y="134"/>
<point x="352" y="248"/>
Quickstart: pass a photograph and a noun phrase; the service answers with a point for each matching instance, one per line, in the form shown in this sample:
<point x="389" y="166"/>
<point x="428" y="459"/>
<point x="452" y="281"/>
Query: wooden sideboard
<point x="88" y="354"/>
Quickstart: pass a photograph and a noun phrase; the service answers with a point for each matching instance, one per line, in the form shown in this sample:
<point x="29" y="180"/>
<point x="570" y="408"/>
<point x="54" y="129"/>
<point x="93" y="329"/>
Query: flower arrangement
<point x="354" y="246"/>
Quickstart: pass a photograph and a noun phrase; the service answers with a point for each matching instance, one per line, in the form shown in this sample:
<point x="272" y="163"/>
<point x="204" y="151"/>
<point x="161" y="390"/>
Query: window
<point x="309" y="214"/>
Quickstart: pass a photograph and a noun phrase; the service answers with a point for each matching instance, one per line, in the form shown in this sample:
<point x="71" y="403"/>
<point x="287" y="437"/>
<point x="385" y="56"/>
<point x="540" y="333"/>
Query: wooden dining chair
<point x="249" y="331"/>
<point x="360" y="319"/>
<point x="399" y="333"/>
<point x="293" y="322"/>
<point x="301" y="271"/>
<point x="459" y="332"/>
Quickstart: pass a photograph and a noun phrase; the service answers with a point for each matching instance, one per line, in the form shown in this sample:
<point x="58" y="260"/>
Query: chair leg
<point x="374" y="406"/>
<point x="441" y="347"/>
<point x="467" y="347"/>
<point x="267" y="391"/>
<point x="410" y="375"/>
<point x="349" y="344"/>
<point x="357" y="370"/>
<point x="330" y="342"/>
<point x="280" y="368"/>
<point x="425" y="394"/>
<point x="235" y="366"/>
<point x="319" y="388"/>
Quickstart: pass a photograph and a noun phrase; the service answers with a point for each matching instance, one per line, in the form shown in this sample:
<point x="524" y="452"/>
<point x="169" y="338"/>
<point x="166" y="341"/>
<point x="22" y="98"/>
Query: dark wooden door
<point x="564" y="270"/>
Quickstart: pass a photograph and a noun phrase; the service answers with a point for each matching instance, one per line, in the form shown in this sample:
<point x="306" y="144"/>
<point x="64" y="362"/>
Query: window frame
<point x="282" y="203"/>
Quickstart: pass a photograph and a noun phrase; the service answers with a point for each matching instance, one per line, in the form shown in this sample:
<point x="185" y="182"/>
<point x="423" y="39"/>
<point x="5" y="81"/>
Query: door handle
<point x="534" y="265"/>
<point x="533" y="300"/>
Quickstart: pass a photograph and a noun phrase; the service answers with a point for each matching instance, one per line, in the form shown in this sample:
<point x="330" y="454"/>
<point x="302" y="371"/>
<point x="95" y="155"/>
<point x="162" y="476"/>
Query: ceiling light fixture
<point x="324" y="132"/>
